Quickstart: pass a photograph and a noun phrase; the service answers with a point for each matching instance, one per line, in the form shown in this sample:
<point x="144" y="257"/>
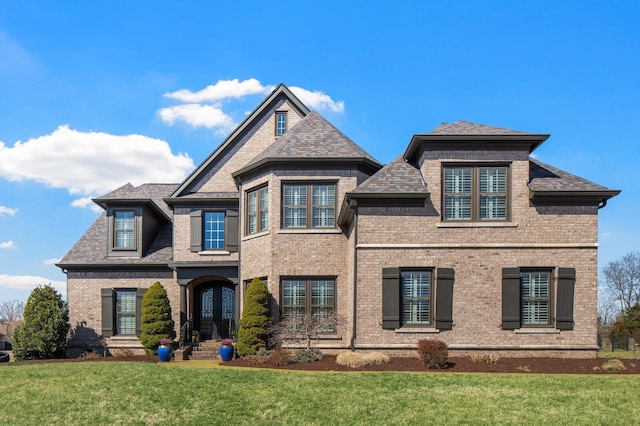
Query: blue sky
<point x="97" y="94"/>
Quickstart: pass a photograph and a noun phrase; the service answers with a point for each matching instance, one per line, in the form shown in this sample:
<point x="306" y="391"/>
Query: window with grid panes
<point x="124" y="229"/>
<point x="309" y="205"/>
<point x="257" y="210"/>
<point x="475" y="193"/>
<point x="315" y="296"/>
<point x="416" y="297"/>
<point x="213" y="230"/>
<point x="125" y="311"/>
<point x="281" y="123"/>
<point x="535" y="291"/>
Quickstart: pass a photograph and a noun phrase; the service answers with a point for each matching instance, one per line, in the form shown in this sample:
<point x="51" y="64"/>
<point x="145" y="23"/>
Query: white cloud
<point x="86" y="202"/>
<point x="223" y="89"/>
<point x="92" y="163"/>
<point x="197" y="115"/>
<point x="50" y="261"/>
<point x="204" y="108"/>
<point x="7" y="245"/>
<point x="27" y="282"/>
<point x="7" y="210"/>
<point x="318" y="100"/>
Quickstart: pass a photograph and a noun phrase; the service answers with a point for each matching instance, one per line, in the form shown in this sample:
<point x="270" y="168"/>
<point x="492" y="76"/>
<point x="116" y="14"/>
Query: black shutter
<point x="231" y="230"/>
<point x="510" y="298"/>
<point x="139" y="293"/>
<point x="564" y="305"/>
<point x="107" y="311"/>
<point x="444" y="299"/>
<point x="390" y="298"/>
<point x="196" y="230"/>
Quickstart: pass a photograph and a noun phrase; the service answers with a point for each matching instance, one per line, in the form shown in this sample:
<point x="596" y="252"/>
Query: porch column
<point x="183" y="304"/>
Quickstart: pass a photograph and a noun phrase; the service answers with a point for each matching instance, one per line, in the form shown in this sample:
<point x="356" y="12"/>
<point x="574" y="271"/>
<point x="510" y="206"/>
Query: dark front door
<point x="214" y="311"/>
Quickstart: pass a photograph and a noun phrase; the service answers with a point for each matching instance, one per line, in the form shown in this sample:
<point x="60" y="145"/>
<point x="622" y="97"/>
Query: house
<point x="463" y="238"/>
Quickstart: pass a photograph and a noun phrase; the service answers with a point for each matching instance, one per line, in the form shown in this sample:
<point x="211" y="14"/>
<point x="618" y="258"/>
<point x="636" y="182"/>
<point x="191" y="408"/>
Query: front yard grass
<point x="140" y="393"/>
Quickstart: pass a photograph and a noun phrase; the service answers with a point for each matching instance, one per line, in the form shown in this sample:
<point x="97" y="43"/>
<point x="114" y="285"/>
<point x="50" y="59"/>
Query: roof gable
<point x="217" y="155"/>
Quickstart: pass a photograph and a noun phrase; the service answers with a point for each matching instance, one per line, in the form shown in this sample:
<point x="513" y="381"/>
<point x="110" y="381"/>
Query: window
<point x="125" y="311"/>
<point x="416" y="297"/>
<point x="302" y="211"/>
<point x="535" y="294"/>
<point x="534" y="297"/>
<point x="123" y="229"/>
<point x="412" y="297"/>
<point x="213" y="231"/>
<point x="475" y="193"/>
<point x="121" y="311"/>
<point x="281" y="123"/>
<point x="315" y="296"/>
<point x="257" y="210"/>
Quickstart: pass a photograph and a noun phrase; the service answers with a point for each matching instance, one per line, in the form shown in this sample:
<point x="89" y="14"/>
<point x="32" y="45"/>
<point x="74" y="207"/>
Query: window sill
<point x="311" y="231"/>
<point x="537" y="331"/>
<point x="214" y="253"/>
<point x="477" y="225"/>
<point x="256" y="235"/>
<point x="328" y="337"/>
<point x="417" y="330"/>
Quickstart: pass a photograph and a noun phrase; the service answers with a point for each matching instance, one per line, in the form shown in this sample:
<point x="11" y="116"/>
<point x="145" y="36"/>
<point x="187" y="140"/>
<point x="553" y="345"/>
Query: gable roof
<point x="278" y="92"/>
<point x="548" y="182"/>
<point x="465" y="131"/>
<point x="313" y="139"/>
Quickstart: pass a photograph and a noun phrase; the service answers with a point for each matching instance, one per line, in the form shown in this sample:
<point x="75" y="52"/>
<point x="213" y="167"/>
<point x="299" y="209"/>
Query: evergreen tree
<point x="256" y="318"/>
<point x="43" y="332"/>
<point x="156" y="321"/>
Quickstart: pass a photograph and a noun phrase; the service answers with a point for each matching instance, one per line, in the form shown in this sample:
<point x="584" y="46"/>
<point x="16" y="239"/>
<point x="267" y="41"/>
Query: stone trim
<point x="478" y="246"/>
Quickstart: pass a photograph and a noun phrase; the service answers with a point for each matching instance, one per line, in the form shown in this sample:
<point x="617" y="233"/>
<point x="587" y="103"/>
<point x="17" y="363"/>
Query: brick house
<point x="463" y="238"/>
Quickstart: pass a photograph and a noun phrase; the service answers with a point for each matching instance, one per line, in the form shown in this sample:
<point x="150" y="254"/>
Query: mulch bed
<point x="460" y="365"/>
<point x="456" y="365"/>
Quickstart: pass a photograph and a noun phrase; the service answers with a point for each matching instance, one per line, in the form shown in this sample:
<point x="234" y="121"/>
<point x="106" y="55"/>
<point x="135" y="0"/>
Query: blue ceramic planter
<point x="164" y="353"/>
<point x="226" y="353"/>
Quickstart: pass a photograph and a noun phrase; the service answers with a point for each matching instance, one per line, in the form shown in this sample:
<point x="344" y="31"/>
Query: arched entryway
<point x="214" y="308"/>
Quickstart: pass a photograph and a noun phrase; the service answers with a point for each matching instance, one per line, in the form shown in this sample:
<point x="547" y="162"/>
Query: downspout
<point x="355" y="277"/>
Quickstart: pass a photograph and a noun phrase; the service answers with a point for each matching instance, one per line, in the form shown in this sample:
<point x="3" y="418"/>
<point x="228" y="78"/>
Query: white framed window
<point x="125" y="311"/>
<point x="281" y="123"/>
<point x="213" y="229"/>
<point x="535" y="298"/>
<point x="416" y="297"/>
<point x="124" y="229"/>
<point x="301" y="296"/>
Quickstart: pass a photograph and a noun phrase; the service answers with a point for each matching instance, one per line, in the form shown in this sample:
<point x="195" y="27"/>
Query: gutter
<point x="355" y="278"/>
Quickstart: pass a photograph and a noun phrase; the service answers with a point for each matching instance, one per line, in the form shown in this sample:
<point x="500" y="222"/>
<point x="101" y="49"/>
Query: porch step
<point x="208" y="349"/>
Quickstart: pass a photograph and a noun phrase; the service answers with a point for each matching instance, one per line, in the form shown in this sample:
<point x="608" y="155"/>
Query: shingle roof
<point x="313" y="137"/>
<point x="397" y="177"/>
<point x="91" y="249"/>
<point x="148" y="191"/>
<point x="461" y="127"/>
<point x="543" y="177"/>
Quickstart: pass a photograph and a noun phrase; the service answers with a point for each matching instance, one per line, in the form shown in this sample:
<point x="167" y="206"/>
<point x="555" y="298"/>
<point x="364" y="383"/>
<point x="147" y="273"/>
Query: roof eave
<point x="598" y="197"/>
<point x="530" y="139"/>
<point x="105" y="203"/>
<point x="172" y="201"/>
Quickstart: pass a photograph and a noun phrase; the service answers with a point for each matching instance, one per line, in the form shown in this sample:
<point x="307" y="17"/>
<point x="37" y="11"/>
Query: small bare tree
<point x="302" y="328"/>
<point x="622" y="279"/>
<point x="11" y="311"/>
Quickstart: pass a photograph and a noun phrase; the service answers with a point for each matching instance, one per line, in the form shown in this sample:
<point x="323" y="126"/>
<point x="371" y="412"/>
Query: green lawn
<point x="139" y="393"/>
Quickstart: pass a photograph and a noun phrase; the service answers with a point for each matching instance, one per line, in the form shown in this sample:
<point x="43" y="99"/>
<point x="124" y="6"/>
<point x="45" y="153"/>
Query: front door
<point x="214" y="311"/>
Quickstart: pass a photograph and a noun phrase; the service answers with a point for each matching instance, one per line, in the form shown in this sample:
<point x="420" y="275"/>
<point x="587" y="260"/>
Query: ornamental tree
<point x="256" y="319"/>
<point x="156" y="321"/>
<point x="43" y="332"/>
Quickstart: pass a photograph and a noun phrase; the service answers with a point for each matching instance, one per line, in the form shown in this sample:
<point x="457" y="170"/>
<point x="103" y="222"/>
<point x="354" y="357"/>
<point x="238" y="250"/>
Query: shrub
<point x="486" y="358"/>
<point x="357" y="360"/>
<point x="306" y="355"/>
<point x="256" y="318"/>
<point x="613" y="365"/>
<point x="156" y="321"/>
<point x="43" y="332"/>
<point x="433" y="354"/>
<point x="279" y="357"/>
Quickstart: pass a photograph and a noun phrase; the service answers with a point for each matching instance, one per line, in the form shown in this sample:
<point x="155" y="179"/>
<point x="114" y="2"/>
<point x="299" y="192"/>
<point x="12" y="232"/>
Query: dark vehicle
<point x="4" y="357"/>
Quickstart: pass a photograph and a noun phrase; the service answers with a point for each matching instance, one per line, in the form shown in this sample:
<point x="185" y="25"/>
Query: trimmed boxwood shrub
<point x="433" y="354"/>
<point x="43" y="332"/>
<point x="156" y="321"/>
<point x="256" y="318"/>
